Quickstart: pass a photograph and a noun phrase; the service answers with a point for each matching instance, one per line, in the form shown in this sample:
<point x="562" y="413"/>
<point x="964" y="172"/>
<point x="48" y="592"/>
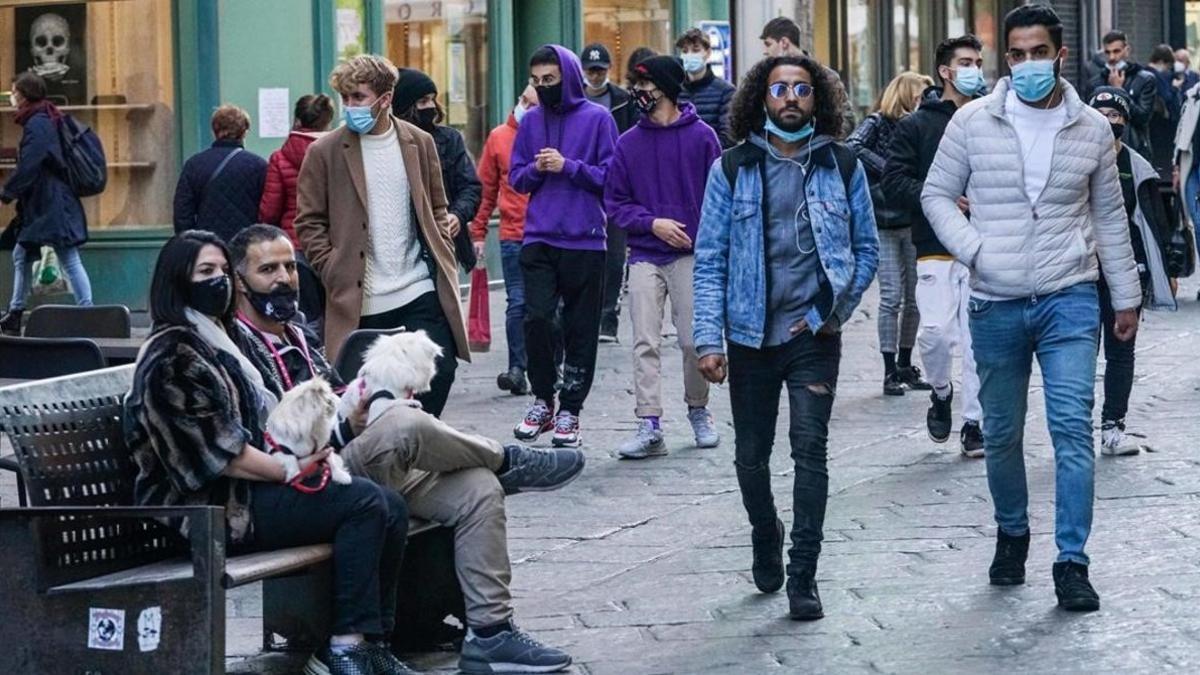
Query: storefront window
<point x="110" y="64"/>
<point x="447" y="39"/>
<point x="986" y="27"/>
<point x="906" y="17"/>
<point x="862" y="41"/>
<point x="624" y="25"/>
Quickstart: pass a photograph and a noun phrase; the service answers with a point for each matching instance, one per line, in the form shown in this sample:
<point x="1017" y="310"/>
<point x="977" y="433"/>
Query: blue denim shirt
<point x="730" y="280"/>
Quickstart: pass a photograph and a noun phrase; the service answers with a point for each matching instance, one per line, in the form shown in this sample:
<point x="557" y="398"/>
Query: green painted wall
<point x="265" y="43"/>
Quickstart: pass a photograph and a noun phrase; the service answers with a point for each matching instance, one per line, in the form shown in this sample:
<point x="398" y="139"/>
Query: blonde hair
<point x="900" y="96"/>
<point x="373" y="70"/>
<point x="230" y="123"/>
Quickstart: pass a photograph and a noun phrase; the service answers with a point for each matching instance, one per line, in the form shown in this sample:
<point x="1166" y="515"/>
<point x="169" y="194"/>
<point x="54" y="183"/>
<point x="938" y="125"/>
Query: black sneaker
<point x="353" y="660"/>
<point x="768" y="558"/>
<point x="513" y="381"/>
<point x="534" y="470"/>
<point x="385" y="662"/>
<point x="1074" y="591"/>
<point x="892" y="386"/>
<point x="940" y="416"/>
<point x="911" y="377"/>
<point x="1008" y="565"/>
<point x="804" y="602"/>
<point x="971" y="438"/>
<point x="10" y="323"/>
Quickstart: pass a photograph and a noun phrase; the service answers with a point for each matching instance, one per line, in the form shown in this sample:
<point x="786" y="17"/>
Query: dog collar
<point x="298" y="481"/>
<point x="382" y="394"/>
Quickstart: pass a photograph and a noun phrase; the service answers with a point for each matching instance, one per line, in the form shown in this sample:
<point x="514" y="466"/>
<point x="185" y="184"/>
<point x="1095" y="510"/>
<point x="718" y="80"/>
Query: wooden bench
<point x="83" y="574"/>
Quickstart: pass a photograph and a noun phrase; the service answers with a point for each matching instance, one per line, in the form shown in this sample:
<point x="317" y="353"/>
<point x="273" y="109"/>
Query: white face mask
<point x="1180" y="67"/>
<point x="12" y="99"/>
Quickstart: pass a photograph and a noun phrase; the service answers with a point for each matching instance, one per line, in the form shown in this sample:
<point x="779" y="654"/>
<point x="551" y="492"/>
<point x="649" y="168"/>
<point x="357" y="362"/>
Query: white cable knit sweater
<point x="395" y="275"/>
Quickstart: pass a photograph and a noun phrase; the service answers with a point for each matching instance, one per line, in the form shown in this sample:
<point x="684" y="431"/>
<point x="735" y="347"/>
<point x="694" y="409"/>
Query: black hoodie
<point x="914" y="143"/>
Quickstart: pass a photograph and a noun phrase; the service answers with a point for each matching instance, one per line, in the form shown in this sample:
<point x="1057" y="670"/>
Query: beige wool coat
<point x="332" y="225"/>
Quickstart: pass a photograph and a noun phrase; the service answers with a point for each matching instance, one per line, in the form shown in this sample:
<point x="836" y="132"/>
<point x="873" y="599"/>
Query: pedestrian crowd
<point x="1005" y="220"/>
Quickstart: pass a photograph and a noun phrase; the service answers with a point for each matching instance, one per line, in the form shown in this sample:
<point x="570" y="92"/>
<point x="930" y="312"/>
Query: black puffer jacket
<point x="1143" y="89"/>
<point x="624" y="113"/>
<point x="713" y="98"/>
<point x="463" y="189"/>
<point x="229" y="202"/>
<point x="914" y="144"/>
<point x="872" y="141"/>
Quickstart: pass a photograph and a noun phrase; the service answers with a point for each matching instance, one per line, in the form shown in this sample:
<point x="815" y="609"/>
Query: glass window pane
<point x="956" y="17"/>
<point x="624" y="25"/>
<point x="985" y="15"/>
<point x="861" y="43"/>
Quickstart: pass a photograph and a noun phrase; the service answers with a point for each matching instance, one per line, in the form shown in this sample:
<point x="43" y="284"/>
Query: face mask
<point x="519" y="112"/>
<point x="551" y="95"/>
<point x="968" y="80"/>
<point x="693" y="62"/>
<point x="1117" y="129"/>
<point x="211" y="296"/>
<point x="1120" y="65"/>
<point x="644" y="100"/>
<point x="12" y="100"/>
<point x="426" y="117"/>
<point x="360" y="119"/>
<point x="789" y="136"/>
<point x="279" y="304"/>
<point x="1034" y="80"/>
<point x="1179" y="67"/>
<point x="602" y="85"/>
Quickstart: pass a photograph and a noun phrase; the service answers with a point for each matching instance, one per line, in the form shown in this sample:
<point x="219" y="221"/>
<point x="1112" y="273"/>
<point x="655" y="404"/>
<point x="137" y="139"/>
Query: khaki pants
<point x="449" y="478"/>
<point x="649" y="286"/>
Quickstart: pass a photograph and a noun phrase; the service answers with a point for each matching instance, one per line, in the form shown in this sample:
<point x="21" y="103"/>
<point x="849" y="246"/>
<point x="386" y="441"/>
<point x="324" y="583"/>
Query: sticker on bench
<point x="149" y="628"/>
<point x="106" y="629"/>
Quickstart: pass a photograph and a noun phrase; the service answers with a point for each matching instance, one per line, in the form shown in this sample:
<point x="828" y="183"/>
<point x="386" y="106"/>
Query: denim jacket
<point x="730" y="280"/>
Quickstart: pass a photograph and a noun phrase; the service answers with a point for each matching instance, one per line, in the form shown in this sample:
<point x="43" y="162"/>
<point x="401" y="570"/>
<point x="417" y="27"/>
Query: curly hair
<point x="749" y="112"/>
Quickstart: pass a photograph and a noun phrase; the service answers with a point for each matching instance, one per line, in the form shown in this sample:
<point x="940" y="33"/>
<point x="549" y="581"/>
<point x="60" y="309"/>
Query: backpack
<point x="84" y="166"/>
<point x="746" y="154"/>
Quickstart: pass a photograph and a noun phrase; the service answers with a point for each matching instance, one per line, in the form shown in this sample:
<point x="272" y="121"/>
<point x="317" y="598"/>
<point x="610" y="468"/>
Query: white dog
<point x="301" y="424"/>
<point x="396" y="368"/>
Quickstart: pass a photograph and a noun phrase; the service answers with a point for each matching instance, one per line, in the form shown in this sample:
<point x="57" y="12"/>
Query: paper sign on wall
<point x="274" y="113"/>
<point x="106" y="629"/>
<point x="149" y="628"/>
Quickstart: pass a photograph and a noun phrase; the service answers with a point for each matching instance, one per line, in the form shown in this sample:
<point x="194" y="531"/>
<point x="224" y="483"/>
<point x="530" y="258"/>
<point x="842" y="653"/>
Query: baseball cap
<point x="595" y="55"/>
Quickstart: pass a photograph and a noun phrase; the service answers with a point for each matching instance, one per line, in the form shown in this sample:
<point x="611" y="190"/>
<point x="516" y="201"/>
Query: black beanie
<point x="412" y="85"/>
<point x="665" y="72"/>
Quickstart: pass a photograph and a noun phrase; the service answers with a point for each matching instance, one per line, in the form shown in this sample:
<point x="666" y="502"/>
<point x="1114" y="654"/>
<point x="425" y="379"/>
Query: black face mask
<point x="426" y="118"/>
<point x="211" y="296"/>
<point x="644" y="100"/>
<point x="279" y="304"/>
<point x="550" y="96"/>
<point x="1117" y="129"/>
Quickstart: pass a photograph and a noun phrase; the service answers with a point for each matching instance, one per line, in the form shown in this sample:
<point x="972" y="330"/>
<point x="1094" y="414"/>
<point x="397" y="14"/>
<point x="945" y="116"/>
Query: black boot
<point x="940" y="416"/>
<point x="1074" y="591"/>
<point x="10" y="323"/>
<point x="1008" y="566"/>
<point x="513" y="380"/>
<point x="804" y="602"/>
<point x="768" y="558"/>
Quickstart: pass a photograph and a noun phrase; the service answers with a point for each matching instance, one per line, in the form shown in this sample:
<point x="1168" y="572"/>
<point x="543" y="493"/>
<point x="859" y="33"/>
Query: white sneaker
<point x="1114" y="442"/>
<point x="647" y="443"/>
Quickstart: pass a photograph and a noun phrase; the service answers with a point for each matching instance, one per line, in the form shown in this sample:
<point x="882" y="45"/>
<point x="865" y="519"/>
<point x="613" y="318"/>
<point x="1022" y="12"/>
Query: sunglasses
<point x="780" y="90"/>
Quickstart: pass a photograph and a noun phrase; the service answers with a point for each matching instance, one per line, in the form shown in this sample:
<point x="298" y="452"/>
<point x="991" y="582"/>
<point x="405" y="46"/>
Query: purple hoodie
<point x="660" y="172"/>
<point x="565" y="209"/>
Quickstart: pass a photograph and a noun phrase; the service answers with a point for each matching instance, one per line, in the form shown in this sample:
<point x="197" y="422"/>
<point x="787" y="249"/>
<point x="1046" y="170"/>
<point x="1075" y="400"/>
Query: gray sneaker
<point x="647" y="443"/>
<point x="533" y="470"/>
<point x="512" y="651"/>
<point x="704" y="428"/>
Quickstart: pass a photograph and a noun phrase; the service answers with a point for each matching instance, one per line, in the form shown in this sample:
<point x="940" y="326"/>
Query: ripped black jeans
<point x="808" y="365"/>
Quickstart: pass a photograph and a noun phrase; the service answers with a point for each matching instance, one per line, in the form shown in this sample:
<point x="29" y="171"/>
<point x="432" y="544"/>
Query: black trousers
<point x="614" y="278"/>
<point x="576" y="279"/>
<point x="1118" y="360"/>
<point x="368" y="525"/>
<point x="425" y="313"/>
<point x="808" y="366"/>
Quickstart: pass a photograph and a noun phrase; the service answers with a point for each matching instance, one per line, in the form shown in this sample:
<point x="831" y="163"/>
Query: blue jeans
<point x="72" y="266"/>
<point x="1062" y="330"/>
<point x="514" y="313"/>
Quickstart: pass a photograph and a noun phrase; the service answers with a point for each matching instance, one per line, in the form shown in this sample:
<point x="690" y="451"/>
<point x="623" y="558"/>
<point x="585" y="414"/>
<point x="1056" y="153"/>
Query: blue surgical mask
<point x="359" y="119"/>
<point x="693" y="62"/>
<point x="789" y="136"/>
<point x="519" y="112"/>
<point x="1034" y="80"/>
<point x="968" y="80"/>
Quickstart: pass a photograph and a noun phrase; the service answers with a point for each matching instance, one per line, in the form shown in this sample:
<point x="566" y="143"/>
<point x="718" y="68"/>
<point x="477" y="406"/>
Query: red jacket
<point x="493" y="173"/>
<point x="278" y="204"/>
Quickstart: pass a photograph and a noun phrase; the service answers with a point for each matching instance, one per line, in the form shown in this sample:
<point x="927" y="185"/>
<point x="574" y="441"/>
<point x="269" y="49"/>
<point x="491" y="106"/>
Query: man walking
<point x="560" y="159"/>
<point x="596" y="65"/>
<point x="942" y="282"/>
<point x="655" y="196"/>
<point x="1039" y="171"/>
<point x="780" y="268"/>
<point x="712" y="96"/>
<point x="371" y="214"/>
<point x="1121" y="71"/>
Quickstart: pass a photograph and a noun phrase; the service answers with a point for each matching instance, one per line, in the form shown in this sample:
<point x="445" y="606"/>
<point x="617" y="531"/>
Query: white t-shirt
<point x="395" y="274"/>
<point x="1036" y="129"/>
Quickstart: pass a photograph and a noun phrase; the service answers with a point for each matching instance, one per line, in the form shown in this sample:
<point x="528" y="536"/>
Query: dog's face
<point x="304" y="418"/>
<point x="401" y="363"/>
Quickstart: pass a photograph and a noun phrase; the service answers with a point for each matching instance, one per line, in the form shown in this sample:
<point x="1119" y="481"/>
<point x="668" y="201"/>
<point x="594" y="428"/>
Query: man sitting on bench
<point x="455" y="479"/>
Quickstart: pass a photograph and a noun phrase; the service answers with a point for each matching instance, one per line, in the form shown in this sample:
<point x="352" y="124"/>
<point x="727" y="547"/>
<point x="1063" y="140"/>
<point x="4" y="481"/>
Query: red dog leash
<point x="306" y="472"/>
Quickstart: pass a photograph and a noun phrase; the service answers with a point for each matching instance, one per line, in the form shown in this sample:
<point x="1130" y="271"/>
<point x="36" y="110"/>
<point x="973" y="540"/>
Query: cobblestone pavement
<point x="644" y="567"/>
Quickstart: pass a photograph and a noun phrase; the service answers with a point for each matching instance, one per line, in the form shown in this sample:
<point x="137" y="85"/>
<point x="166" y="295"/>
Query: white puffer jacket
<point x="1017" y="249"/>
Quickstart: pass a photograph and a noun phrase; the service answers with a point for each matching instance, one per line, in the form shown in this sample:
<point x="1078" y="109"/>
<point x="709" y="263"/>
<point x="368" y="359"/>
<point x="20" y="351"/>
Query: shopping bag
<point x="48" y="278"/>
<point x="479" y="322"/>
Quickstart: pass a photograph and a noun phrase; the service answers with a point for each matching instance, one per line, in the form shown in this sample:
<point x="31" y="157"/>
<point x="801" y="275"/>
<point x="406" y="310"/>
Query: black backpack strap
<point x="847" y="162"/>
<point x="742" y="154"/>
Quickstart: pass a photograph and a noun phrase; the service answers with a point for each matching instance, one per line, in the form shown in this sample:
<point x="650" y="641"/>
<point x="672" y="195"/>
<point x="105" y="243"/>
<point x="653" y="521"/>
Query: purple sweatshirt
<point x="660" y="172"/>
<point x="565" y="209"/>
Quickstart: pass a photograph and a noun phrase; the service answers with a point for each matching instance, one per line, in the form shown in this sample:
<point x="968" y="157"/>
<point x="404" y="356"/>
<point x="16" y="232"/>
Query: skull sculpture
<point x="50" y="44"/>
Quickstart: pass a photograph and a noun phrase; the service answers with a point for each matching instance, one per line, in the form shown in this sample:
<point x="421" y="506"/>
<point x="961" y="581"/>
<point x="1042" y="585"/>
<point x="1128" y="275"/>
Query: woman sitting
<point x="194" y="422"/>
